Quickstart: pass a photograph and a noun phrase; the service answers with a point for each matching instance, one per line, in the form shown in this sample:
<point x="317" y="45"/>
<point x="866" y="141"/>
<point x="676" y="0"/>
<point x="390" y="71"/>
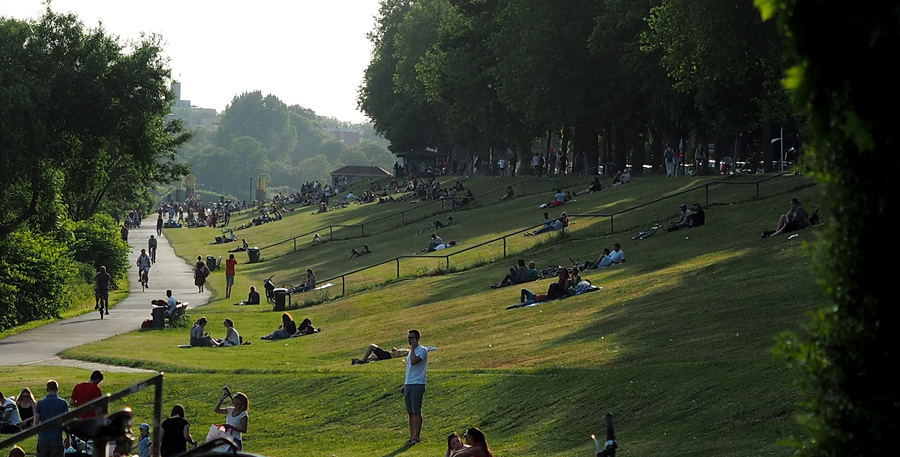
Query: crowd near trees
<point x="608" y="81"/>
<point x="83" y="134"/>
<point x="260" y="136"/>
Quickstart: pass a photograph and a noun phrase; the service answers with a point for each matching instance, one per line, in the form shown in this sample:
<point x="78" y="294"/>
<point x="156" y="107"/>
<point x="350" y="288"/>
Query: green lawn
<point x="676" y="345"/>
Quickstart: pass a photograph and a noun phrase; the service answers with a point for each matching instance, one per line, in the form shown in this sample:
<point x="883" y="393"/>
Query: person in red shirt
<point x="85" y="392"/>
<point x="229" y="274"/>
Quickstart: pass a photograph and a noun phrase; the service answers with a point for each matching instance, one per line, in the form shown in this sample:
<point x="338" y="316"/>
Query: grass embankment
<point x="676" y="345"/>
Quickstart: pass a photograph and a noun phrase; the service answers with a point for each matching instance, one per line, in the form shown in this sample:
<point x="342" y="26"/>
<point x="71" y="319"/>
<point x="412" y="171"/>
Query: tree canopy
<point x="83" y="119"/>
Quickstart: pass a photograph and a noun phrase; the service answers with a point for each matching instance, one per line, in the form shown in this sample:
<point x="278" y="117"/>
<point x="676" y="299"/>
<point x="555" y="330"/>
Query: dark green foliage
<point x="98" y="243"/>
<point x="36" y="273"/>
<point x="848" y="365"/>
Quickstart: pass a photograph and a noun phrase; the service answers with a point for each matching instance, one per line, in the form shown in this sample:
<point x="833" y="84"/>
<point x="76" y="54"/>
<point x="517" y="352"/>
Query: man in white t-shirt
<point x="617" y="256"/>
<point x="414" y="385"/>
<point x="9" y="412"/>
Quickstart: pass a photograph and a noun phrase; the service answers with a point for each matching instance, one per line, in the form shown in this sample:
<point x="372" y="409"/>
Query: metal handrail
<point x="100" y="406"/>
<point x="503" y="238"/>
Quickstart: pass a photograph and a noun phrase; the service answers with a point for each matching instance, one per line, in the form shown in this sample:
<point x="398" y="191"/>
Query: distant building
<point x="349" y="137"/>
<point x="354" y="173"/>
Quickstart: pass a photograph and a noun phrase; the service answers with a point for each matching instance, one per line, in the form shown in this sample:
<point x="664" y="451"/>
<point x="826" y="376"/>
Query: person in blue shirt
<point x="50" y="441"/>
<point x="414" y="385"/>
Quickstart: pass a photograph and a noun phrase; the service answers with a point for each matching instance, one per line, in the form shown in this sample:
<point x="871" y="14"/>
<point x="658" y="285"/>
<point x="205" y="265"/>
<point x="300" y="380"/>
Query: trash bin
<point x="282" y="298"/>
<point x="211" y="263"/>
<point x="159" y="317"/>
<point x="254" y="254"/>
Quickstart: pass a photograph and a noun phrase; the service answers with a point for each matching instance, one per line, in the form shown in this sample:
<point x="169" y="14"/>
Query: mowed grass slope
<point x="676" y="345"/>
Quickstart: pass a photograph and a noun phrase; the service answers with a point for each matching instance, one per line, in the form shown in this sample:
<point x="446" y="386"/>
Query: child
<point x="144" y="440"/>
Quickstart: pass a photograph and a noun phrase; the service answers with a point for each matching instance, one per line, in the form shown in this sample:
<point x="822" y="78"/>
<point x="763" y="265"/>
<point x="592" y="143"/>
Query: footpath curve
<point x="41" y="346"/>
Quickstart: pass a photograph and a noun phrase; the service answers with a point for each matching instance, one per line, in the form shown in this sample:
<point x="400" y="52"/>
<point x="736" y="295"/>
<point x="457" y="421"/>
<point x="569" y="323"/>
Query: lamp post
<point x="781" y="139"/>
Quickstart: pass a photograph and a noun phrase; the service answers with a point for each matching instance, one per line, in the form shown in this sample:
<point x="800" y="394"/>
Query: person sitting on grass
<point x="232" y="337"/>
<point x="288" y="328"/>
<point x="477" y="442"/>
<point x="516" y="276"/>
<point x="682" y="219"/>
<point x="558" y="199"/>
<point x="244" y="246"/>
<point x="795" y="219"/>
<point x="375" y="353"/>
<point x="603" y="262"/>
<point x="199" y="336"/>
<point x="252" y="298"/>
<point x="621" y="177"/>
<point x="306" y="328"/>
<point x="560" y="288"/>
<point x="454" y="444"/>
<point x="616" y="254"/>
<point x="435" y="240"/>
<point x="594" y="187"/>
<point x="509" y="195"/>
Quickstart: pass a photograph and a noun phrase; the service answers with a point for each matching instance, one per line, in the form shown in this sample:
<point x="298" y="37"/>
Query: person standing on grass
<point x="229" y="274"/>
<point x="88" y="391"/>
<point x="414" y="385"/>
<point x="50" y="442"/>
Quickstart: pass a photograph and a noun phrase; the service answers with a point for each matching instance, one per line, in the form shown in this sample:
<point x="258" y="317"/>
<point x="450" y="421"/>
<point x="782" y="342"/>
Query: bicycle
<point x="145" y="279"/>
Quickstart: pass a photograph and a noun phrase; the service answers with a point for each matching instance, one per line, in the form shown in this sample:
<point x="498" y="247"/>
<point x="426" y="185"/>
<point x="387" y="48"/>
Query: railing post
<point x="363" y="229"/>
<point x="157" y="414"/>
<point x="295" y="244"/>
<point x="612" y="226"/>
<point x="504" y="247"/>
<point x="343" y="286"/>
<point x="330" y="232"/>
<point x="398" y="267"/>
<point x="448" y="263"/>
<point x="402" y="218"/>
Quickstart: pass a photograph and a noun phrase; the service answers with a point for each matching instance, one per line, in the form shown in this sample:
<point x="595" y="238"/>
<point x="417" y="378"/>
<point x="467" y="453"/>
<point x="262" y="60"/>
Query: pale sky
<point x="222" y="48"/>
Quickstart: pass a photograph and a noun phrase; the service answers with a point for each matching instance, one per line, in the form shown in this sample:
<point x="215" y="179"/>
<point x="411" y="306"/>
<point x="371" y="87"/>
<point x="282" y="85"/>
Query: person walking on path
<point x="102" y="283"/>
<point x="414" y="385"/>
<point x="201" y="271"/>
<point x="229" y="274"/>
<point x="50" y="441"/>
<point x="159" y="225"/>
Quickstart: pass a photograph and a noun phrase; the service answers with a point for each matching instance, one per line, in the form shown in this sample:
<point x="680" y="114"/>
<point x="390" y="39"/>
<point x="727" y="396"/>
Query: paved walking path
<point x="41" y="345"/>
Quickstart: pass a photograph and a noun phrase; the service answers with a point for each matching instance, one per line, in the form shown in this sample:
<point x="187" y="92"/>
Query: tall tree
<point x="83" y="118"/>
<point x="839" y="52"/>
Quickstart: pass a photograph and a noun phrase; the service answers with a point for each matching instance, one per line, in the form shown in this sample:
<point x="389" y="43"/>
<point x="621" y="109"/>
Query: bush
<point x="98" y="243"/>
<point x="36" y="274"/>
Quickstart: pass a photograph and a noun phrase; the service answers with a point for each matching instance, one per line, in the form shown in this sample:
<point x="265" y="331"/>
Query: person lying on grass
<point x="557" y="224"/>
<point x="527" y="297"/>
<point x="365" y="250"/>
<point x="375" y="353"/>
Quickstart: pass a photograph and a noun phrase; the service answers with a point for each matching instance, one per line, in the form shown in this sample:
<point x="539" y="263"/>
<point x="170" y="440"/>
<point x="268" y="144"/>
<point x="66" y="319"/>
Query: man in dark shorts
<point x="375" y="353"/>
<point x="102" y="283"/>
<point x="414" y="385"/>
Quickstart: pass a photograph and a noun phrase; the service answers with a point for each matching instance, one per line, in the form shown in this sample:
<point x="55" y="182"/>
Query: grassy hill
<point x="676" y="345"/>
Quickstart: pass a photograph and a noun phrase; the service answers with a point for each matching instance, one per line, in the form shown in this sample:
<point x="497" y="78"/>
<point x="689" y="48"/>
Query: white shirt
<point x="617" y="256"/>
<point x="9" y="405"/>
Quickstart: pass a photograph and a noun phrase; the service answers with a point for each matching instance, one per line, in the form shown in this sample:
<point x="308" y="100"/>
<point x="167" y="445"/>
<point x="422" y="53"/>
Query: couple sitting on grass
<point x="201" y="338"/>
<point x="289" y="328"/>
<point x="566" y="285"/>
<point x="519" y="275"/>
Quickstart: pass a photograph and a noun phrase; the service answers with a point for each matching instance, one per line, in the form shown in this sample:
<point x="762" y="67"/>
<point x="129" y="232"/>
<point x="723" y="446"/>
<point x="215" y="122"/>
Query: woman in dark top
<point x="288" y="329"/>
<point x="26" y="403"/>
<point x="175" y="433"/>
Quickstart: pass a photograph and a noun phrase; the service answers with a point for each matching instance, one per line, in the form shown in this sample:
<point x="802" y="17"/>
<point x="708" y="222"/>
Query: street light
<point x="781" y="139"/>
